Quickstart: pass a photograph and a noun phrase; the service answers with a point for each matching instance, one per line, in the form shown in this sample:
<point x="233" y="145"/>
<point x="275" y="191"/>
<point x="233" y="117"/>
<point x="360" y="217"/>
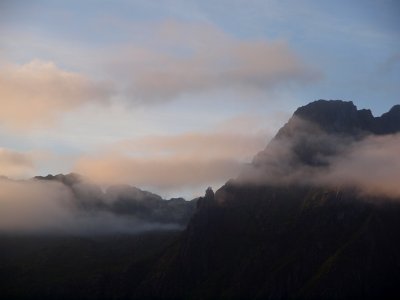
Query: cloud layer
<point x="193" y="58"/>
<point x="186" y="160"/>
<point x="372" y="165"/>
<point x="163" y="62"/>
<point x="36" y="93"/>
<point x="15" y="164"/>
<point x="50" y="207"/>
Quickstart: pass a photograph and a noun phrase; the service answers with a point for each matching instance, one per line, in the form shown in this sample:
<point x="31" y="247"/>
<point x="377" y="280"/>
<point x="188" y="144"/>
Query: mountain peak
<point x="389" y="122"/>
<point x="395" y="109"/>
<point x="341" y="117"/>
<point x="68" y="179"/>
<point x="333" y="116"/>
<point x="320" y="130"/>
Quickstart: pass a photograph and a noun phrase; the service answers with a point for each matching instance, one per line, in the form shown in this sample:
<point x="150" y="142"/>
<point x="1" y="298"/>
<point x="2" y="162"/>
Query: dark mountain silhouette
<point x="263" y="235"/>
<point x="87" y="264"/>
<point x="336" y="116"/>
<point x="292" y="240"/>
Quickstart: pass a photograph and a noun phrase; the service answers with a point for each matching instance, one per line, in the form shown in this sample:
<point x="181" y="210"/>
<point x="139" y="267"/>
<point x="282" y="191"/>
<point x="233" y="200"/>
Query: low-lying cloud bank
<point x="64" y="205"/>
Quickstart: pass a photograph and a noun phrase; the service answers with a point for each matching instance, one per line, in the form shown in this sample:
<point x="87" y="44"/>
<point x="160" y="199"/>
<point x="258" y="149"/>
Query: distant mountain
<point x="290" y="240"/>
<point x="124" y="200"/>
<point x="101" y="247"/>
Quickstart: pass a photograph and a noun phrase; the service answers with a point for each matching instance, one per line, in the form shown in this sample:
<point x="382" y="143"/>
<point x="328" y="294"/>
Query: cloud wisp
<point x="37" y="93"/>
<point x="182" y="58"/>
<point x="168" y="162"/>
<point x="16" y="164"/>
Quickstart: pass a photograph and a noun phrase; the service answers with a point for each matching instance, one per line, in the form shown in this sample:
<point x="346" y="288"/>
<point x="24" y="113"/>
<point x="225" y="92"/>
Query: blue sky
<point x="106" y="73"/>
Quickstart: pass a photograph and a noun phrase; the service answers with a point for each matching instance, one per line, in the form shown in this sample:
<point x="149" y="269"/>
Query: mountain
<point x="290" y="226"/>
<point x="323" y="129"/>
<point x="336" y="116"/>
<point x="280" y="237"/>
<point x="123" y="200"/>
<point x="99" y="245"/>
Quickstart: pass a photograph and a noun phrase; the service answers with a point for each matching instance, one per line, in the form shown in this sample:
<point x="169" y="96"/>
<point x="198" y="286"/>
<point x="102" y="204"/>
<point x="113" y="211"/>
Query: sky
<point x="175" y="96"/>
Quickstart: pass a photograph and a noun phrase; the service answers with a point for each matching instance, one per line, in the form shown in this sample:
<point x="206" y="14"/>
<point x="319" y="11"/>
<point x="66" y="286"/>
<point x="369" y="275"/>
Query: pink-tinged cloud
<point x="168" y="162"/>
<point x="37" y="93"/>
<point x="372" y="165"/>
<point x="167" y="173"/>
<point x="197" y="145"/>
<point x="15" y="164"/>
<point x="178" y="58"/>
<point x="29" y="206"/>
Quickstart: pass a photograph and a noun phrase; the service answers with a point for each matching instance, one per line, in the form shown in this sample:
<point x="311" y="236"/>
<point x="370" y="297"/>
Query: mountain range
<point x="292" y="225"/>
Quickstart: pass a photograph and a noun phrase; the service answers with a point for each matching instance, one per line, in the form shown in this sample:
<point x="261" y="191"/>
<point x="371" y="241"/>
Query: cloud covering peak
<point x="331" y="143"/>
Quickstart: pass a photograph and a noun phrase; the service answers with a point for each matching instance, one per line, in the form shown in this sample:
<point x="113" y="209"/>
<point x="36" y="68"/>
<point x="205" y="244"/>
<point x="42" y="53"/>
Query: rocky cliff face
<point x="290" y="240"/>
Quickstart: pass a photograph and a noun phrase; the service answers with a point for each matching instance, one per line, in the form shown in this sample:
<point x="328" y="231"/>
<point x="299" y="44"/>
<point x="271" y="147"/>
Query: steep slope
<point x="281" y="238"/>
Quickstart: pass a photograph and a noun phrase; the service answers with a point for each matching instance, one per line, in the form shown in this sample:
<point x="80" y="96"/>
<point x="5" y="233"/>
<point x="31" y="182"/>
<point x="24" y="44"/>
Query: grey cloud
<point x="67" y="207"/>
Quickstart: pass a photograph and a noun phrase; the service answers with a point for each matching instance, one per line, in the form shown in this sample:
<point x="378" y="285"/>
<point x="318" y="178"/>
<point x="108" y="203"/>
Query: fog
<point x="301" y="153"/>
<point x="51" y="207"/>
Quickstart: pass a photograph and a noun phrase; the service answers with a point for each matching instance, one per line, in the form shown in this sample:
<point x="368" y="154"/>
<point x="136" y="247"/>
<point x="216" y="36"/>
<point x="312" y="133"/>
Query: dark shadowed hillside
<point x="90" y="245"/>
<point x="78" y="267"/>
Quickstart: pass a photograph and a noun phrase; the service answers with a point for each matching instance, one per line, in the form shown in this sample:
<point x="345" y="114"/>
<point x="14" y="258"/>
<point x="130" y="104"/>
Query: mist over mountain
<point x="71" y="204"/>
<point x="314" y="215"/>
<point x="301" y="221"/>
<point x="332" y="144"/>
